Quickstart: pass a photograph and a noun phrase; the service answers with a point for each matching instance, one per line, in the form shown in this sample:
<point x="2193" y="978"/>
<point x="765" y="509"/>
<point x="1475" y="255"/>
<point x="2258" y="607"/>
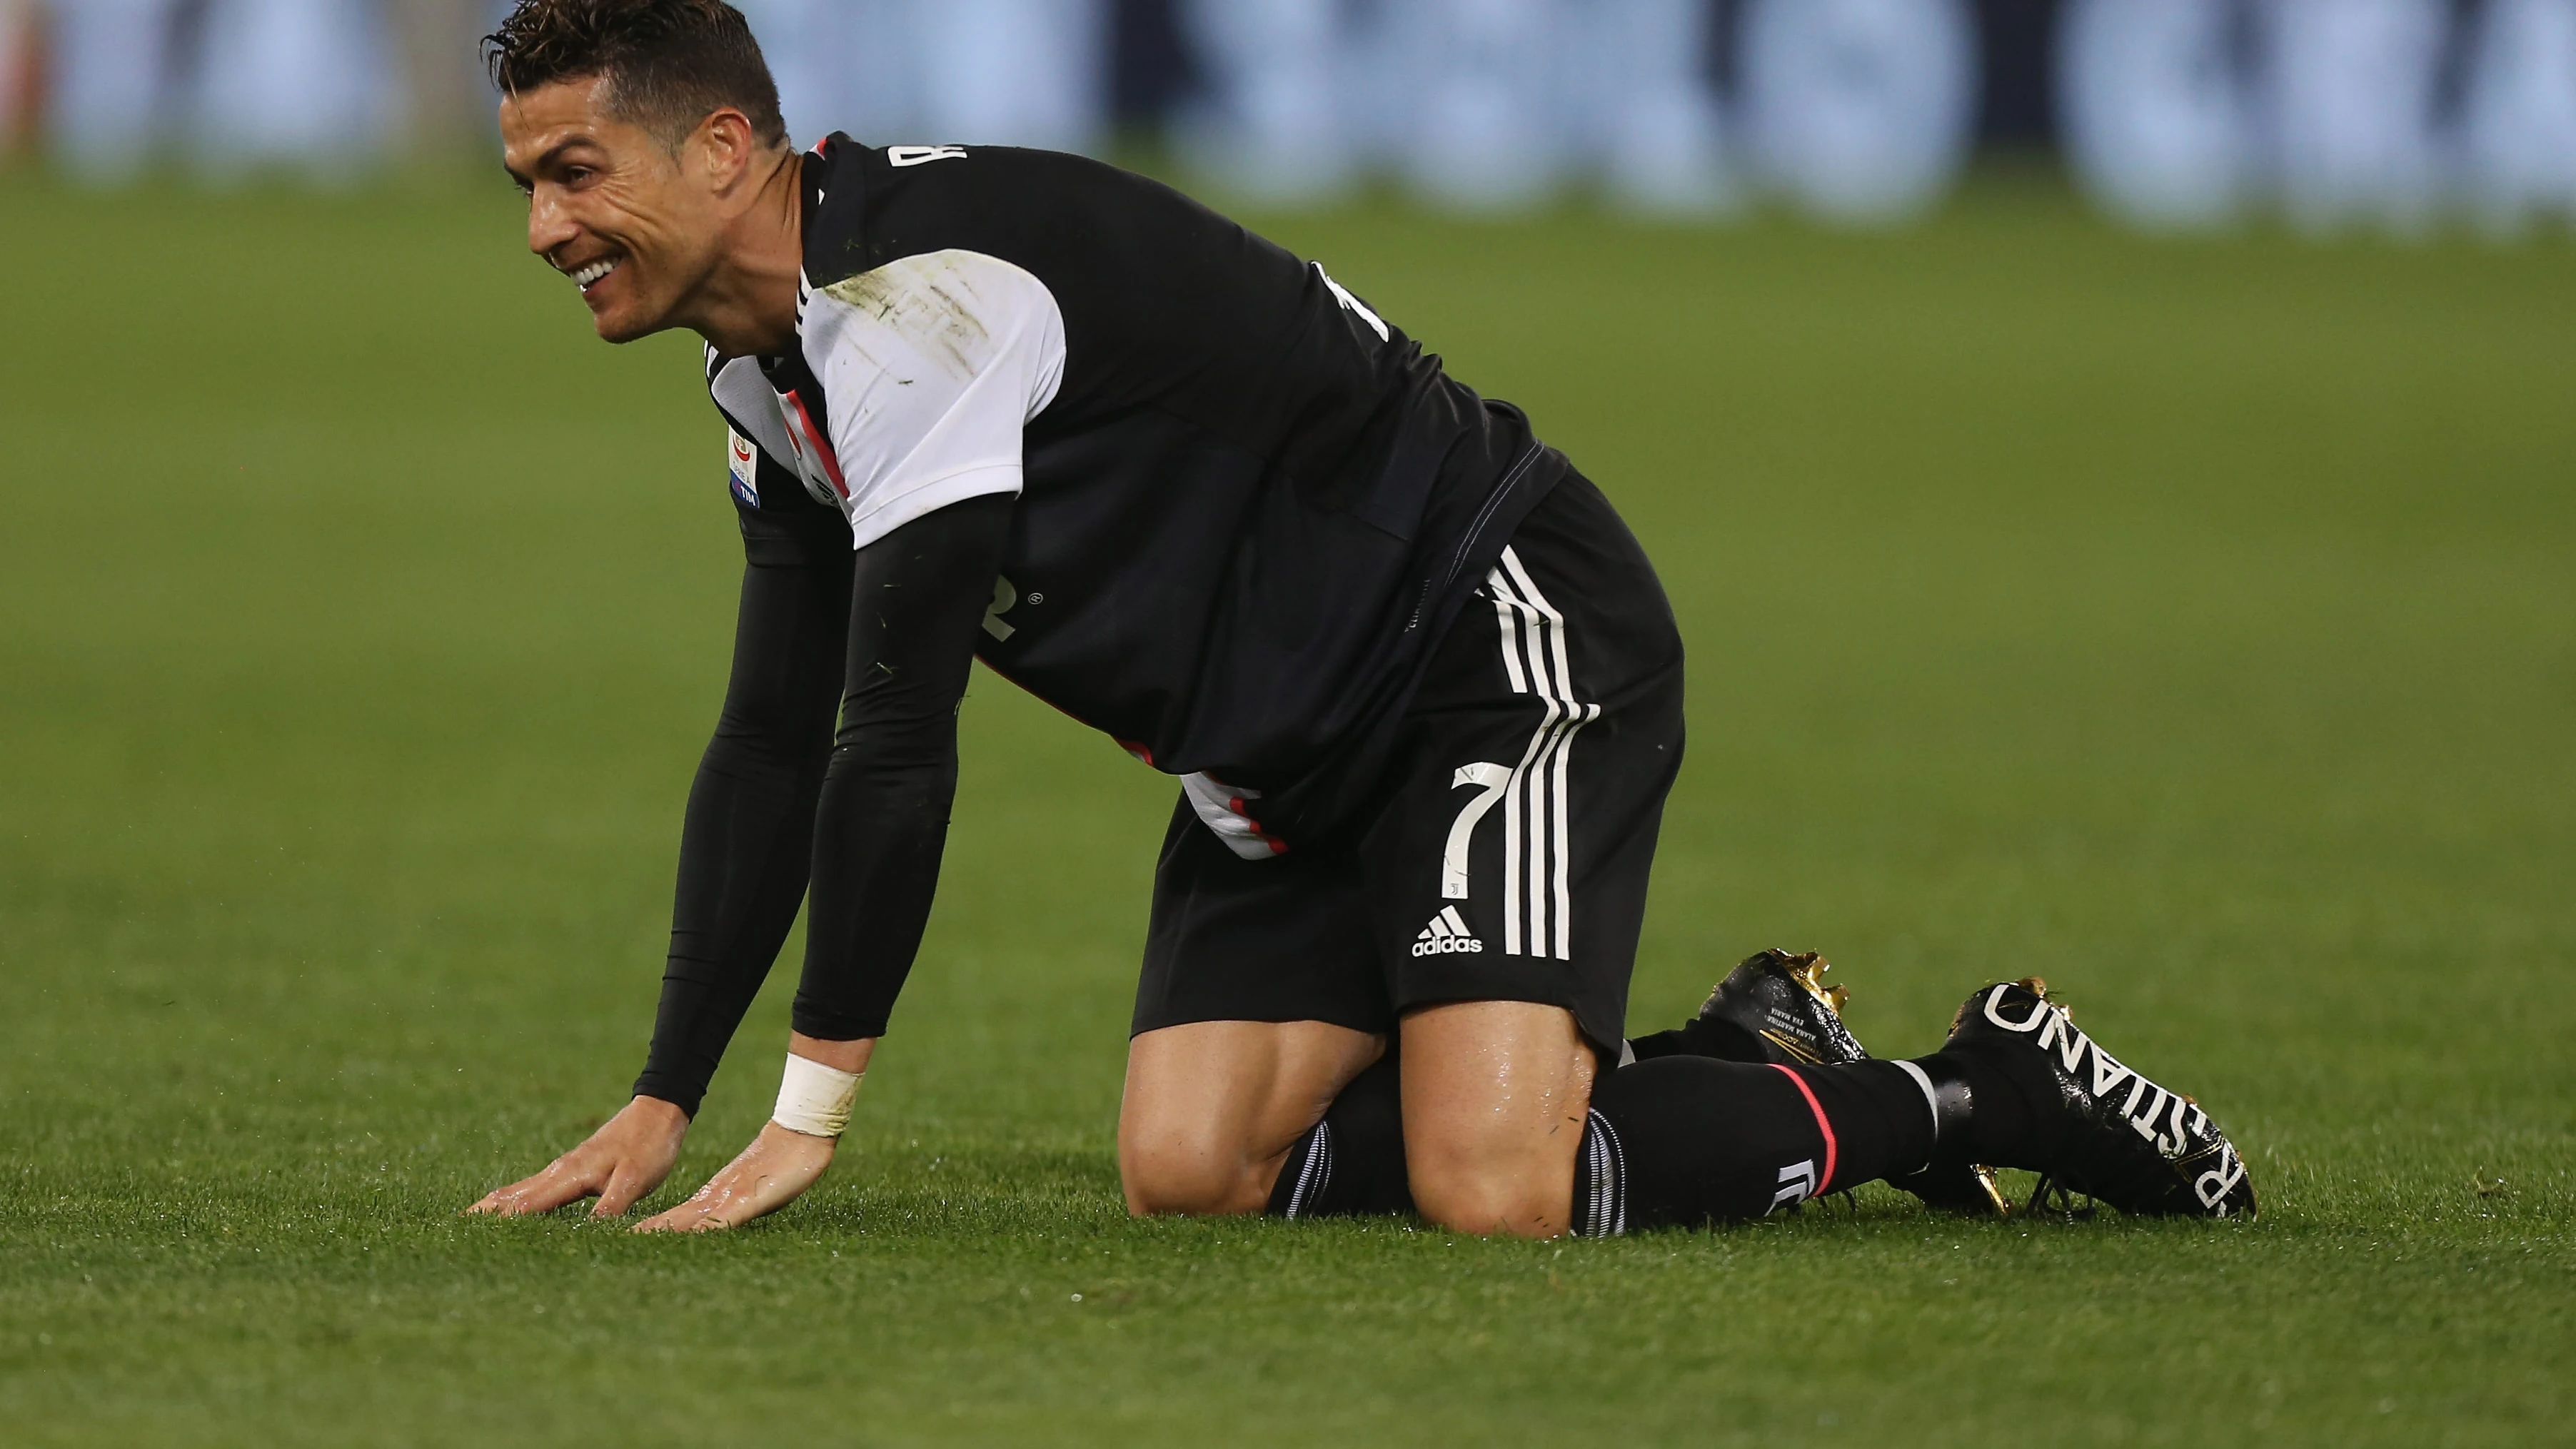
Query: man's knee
<point x="1178" y="1170"/>
<point x="1511" y="1194"/>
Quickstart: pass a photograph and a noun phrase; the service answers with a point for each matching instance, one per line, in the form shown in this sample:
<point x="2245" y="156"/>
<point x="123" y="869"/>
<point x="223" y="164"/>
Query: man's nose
<point x="548" y="227"/>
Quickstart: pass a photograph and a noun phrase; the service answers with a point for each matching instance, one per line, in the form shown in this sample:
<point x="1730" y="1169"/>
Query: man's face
<point x="635" y="227"/>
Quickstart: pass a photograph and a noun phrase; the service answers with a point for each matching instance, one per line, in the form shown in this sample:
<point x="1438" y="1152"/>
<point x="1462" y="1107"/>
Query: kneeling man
<point x="1420" y="686"/>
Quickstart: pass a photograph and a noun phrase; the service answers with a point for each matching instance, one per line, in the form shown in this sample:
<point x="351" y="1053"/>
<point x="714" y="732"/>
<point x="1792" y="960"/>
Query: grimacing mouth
<point x="591" y="273"/>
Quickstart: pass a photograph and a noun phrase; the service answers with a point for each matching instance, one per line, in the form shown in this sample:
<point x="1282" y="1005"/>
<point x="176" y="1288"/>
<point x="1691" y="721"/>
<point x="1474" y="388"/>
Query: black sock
<point x="1685" y="1140"/>
<point x="1352" y="1162"/>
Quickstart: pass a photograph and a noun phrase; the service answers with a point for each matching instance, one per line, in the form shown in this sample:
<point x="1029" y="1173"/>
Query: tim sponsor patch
<point x="742" y="464"/>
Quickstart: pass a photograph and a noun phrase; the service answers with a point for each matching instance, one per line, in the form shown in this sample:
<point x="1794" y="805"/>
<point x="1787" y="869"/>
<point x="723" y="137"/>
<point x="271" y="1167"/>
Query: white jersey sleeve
<point x="932" y="365"/>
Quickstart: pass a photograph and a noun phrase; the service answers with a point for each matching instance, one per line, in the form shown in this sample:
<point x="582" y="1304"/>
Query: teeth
<point x="589" y="276"/>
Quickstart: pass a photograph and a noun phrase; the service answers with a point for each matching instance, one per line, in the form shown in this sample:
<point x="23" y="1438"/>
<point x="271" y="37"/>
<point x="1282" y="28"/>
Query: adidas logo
<point x="1446" y="935"/>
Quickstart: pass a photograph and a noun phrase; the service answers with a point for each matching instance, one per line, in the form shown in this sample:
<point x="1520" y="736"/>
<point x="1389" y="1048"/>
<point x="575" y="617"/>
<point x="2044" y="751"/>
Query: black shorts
<point x="1509" y="859"/>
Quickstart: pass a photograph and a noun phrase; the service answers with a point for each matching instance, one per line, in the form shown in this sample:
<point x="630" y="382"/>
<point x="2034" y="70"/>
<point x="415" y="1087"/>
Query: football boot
<point x="1780" y="999"/>
<point x="1774" y="1007"/>
<point x="2104" y="1130"/>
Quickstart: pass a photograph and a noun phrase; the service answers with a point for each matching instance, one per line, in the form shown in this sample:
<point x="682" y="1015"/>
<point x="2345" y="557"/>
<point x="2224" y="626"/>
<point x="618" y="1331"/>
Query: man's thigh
<point x="1261" y="998"/>
<point x="1212" y="1108"/>
<point x="1496" y="1096"/>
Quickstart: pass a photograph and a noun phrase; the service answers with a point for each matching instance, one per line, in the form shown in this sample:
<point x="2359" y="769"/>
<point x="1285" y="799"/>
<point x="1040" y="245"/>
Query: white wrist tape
<point x="815" y="1099"/>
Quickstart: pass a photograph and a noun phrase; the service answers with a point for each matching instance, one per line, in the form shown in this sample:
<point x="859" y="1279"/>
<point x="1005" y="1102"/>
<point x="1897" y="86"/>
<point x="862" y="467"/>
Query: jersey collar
<point x="835" y="207"/>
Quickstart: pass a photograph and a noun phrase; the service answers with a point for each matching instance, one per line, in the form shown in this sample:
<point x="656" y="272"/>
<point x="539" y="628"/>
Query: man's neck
<point x="747" y="306"/>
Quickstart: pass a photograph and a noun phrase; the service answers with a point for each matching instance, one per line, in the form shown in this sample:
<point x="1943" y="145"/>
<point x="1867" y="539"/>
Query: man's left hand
<point x="771" y="1173"/>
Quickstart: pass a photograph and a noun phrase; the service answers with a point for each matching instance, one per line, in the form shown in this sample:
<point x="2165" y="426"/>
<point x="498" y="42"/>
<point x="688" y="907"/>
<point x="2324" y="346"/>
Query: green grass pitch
<point x="2193" y="624"/>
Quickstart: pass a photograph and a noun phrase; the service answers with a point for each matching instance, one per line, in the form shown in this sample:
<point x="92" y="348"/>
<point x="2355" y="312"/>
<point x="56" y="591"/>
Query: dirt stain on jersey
<point x="928" y="298"/>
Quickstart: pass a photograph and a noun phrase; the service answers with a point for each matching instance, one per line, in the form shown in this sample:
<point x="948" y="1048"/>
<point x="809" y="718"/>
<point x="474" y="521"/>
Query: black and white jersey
<point x="1246" y="502"/>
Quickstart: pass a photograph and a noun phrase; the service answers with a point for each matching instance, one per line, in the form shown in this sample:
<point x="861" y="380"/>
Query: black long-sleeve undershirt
<point x="785" y="807"/>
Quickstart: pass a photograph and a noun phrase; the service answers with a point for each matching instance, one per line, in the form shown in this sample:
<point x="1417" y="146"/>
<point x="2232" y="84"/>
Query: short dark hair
<point x="669" y="64"/>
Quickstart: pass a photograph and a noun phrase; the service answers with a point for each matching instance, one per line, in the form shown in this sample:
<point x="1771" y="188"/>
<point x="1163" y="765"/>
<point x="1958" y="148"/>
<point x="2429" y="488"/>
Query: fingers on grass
<point x="688" y="1217"/>
<point x="542" y="1193"/>
<point x="625" y="1185"/>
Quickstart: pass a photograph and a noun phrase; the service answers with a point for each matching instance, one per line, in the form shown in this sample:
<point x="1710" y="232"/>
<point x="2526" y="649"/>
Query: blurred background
<point x="2392" y="115"/>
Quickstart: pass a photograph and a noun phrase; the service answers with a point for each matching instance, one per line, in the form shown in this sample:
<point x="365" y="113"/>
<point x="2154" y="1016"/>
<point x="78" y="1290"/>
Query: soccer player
<point x="1420" y="686"/>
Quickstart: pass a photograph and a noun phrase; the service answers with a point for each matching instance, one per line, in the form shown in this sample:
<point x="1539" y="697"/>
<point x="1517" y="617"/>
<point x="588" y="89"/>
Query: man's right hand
<point x="621" y="1162"/>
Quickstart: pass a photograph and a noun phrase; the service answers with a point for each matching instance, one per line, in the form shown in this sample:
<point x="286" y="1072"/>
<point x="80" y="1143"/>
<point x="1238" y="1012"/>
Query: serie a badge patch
<point x="742" y="464"/>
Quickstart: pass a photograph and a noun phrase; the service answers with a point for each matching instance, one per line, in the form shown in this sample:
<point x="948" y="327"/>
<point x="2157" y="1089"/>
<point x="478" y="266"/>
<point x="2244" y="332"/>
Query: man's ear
<point x="726" y="144"/>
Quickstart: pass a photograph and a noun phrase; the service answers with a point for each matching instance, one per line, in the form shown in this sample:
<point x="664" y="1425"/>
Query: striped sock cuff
<point x="1307" y="1173"/>
<point x="1600" y="1181"/>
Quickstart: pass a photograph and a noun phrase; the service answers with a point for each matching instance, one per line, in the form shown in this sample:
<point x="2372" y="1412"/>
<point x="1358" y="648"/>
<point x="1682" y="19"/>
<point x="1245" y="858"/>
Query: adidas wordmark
<point x="1446" y="935"/>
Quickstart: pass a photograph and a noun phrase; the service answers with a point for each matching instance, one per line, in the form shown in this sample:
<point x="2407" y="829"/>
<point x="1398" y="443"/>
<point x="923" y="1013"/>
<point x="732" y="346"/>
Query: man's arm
<point x="744" y="851"/>
<point x="917" y="604"/>
<point x="917" y="598"/>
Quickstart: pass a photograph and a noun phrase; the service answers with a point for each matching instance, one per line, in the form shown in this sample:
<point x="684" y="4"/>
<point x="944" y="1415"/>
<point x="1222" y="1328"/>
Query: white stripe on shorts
<point x="1538" y="903"/>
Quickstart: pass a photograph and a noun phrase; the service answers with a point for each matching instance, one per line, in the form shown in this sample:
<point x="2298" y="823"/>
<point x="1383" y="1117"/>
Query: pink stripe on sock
<point x="1821" y="1125"/>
